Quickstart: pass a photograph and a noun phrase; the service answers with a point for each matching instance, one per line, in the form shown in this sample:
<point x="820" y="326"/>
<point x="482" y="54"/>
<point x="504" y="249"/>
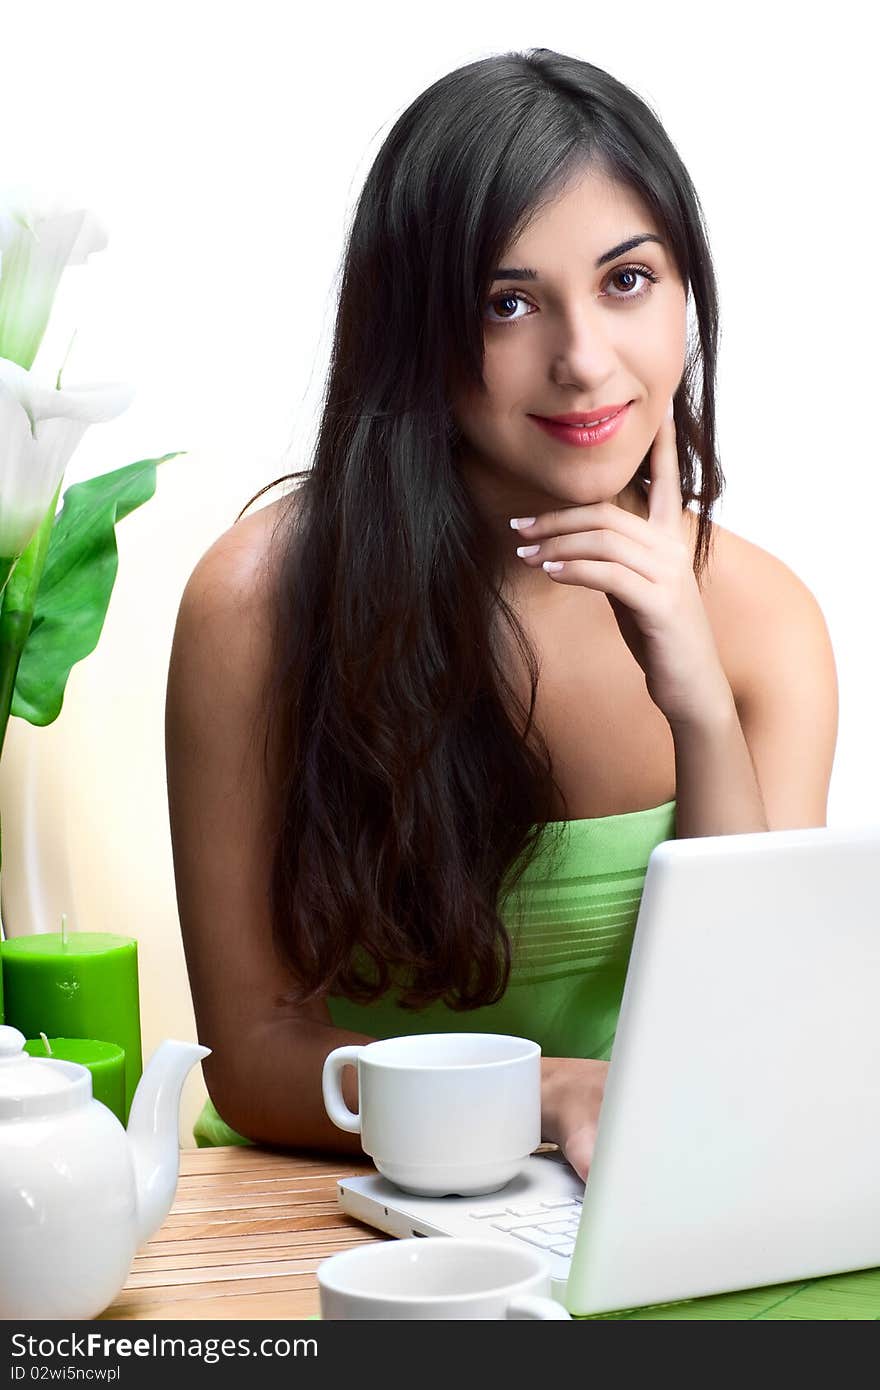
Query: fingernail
<point x="527" y="549"/>
<point x="670" y="412"/>
<point x="553" y="565"/>
<point x="518" y="522"/>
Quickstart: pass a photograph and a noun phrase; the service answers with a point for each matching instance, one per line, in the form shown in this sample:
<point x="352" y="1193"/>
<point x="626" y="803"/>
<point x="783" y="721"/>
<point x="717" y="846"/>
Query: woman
<point x="415" y="772"/>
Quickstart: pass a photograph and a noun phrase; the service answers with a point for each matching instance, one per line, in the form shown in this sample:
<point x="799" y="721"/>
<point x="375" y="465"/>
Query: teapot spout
<point x="153" y="1130"/>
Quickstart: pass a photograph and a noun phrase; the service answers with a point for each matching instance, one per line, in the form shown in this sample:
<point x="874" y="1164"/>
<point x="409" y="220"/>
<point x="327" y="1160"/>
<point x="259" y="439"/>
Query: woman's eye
<point x="630" y="275"/>
<point x="509" y="297"/>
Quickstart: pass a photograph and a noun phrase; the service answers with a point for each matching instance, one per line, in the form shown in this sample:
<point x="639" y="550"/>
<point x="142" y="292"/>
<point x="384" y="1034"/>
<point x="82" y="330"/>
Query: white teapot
<point x="78" y="1193"/>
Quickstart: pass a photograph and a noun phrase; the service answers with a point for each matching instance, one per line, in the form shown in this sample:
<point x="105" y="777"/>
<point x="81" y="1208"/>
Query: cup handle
<point x="533" y="1306"/>
<point x="331" y="1085"/>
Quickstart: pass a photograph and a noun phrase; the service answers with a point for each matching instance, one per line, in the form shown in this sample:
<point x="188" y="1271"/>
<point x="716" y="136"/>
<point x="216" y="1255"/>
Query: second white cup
<point x="440" y="1278"/>
<point x="442" y="1113"/>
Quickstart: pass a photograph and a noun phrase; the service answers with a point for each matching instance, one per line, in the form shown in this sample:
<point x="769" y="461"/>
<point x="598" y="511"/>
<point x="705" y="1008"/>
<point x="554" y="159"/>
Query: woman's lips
<point x="583" y="437"/>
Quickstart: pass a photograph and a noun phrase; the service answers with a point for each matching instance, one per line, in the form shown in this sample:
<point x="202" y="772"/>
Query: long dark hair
<point x="414" y="787"/>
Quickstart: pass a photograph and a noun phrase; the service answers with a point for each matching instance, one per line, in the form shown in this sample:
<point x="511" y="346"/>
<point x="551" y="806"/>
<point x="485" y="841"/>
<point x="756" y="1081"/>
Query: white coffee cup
<point x="442" y="1113"/>
<point x="437" y="1277"/>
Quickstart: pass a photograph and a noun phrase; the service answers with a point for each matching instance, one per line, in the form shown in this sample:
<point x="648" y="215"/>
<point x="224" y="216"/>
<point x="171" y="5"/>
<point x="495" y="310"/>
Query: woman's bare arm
<point x="264" y="1072"/>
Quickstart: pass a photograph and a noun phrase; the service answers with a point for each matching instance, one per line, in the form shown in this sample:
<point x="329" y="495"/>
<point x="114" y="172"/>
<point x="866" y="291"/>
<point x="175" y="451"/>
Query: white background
<point x="223" y="147"/>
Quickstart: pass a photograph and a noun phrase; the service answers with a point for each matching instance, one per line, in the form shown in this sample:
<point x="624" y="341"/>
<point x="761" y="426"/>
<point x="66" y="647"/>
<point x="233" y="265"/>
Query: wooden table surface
<point x="249" y="1228"/>
<point x="244" y="1238"/>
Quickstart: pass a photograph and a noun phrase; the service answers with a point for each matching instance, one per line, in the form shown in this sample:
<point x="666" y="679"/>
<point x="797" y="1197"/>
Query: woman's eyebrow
<point x="507" y="272"/>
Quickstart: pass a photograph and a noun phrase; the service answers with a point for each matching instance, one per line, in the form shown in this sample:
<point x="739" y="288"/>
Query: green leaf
<point x="76" y="583"/>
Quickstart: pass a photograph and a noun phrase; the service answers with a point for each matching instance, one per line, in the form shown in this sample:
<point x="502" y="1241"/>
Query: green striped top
<point x="571" y="920"/>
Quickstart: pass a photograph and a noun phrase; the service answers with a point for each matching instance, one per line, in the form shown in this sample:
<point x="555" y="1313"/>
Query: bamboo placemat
<point x="244" y="1238"/>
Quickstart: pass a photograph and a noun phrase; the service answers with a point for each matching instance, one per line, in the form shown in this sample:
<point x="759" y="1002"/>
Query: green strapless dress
<point x="571" y="921"/>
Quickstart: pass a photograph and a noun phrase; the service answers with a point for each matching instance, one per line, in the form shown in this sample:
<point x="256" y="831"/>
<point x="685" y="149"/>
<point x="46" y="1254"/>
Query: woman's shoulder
<point x="242" y="563"/>
<point x="745" y="590"/>
<point x="253" y="538"/>
<point x="742" y="574"/>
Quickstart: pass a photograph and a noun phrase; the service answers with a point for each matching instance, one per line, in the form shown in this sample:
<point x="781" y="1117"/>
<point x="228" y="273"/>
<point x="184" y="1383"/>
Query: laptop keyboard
<point x="551" y="1225"/>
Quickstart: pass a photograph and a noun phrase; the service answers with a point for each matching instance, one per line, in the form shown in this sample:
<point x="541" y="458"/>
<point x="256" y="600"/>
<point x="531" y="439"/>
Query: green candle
<point x="104" y="1060"/>
<point x="76" y="985"/>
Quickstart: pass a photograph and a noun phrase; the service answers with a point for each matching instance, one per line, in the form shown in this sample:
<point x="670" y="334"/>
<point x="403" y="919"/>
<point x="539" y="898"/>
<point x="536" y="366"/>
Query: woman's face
<point x="577" y="337"/>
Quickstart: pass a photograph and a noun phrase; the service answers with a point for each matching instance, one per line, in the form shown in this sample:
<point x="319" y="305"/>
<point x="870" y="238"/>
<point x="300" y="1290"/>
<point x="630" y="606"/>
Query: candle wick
<point x="49" y="1051"/>
<point x="63" y="930"/>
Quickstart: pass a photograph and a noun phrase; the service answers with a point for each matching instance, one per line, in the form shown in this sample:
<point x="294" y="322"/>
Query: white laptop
<point x="739" y="1136"/>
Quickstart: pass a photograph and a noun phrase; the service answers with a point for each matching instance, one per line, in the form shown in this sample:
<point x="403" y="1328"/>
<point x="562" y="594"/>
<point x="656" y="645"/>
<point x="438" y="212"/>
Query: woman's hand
<point x="571" y="1097"/>
<point x="644" y="567"/>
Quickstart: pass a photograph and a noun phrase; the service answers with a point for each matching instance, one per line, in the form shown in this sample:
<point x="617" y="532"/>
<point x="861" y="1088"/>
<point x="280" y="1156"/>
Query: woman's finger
<point x="664" y="499"/>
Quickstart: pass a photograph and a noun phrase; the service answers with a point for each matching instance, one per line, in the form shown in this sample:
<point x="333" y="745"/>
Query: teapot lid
<point x="31" y="1087"/>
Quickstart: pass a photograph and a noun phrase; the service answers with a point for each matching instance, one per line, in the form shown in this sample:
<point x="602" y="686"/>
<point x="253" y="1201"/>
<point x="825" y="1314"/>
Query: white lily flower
<point x="37" y="242"/>
<point x="40" y="428"/>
